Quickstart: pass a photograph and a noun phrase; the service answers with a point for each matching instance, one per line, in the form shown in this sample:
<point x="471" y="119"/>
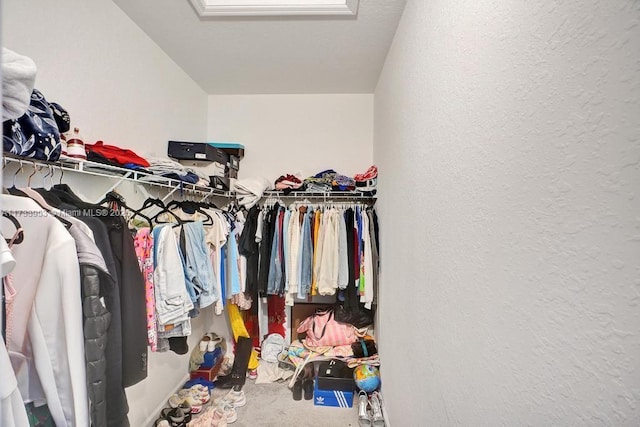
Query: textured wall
<point x="289" y="133"/>
<point x="507" y="134"/>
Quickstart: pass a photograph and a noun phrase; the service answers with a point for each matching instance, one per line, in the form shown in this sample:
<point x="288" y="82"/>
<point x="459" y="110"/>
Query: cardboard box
<point x="207" y="374"/>
<point x="341" y="399"/>
<point x="231" y="148"/>
<point x="335" y="375"/>
<point x="182" y="150"/>
<point x="220" y="183"/>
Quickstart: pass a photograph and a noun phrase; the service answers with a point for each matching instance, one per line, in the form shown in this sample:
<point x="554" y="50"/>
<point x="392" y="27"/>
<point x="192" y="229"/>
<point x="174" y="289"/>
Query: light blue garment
<point x="275" y="266"/>
<point x="307" y="257"/>
<point x="198" y="262"/>
<point x="189" y="274"/>
<point x="233" y="270"/>
<point x="285" y="245"/>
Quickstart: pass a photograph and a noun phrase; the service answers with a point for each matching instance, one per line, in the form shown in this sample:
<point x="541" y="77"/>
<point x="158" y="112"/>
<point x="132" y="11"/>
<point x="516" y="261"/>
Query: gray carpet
<point x="272" y="405"/>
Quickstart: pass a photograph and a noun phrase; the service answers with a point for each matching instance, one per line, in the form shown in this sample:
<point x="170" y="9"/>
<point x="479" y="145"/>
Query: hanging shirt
<point x="173" y="302"/>
<point x="306" y="256"/>
<point x="343" y="262"/>
<point x="143" y="242"/>
<point x="317" y="250"/>
<point x="293" y="237"/>
<point x="46" y="330"/>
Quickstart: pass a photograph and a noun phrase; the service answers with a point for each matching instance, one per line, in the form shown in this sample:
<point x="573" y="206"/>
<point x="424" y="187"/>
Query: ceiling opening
<point x="275" y="7"/>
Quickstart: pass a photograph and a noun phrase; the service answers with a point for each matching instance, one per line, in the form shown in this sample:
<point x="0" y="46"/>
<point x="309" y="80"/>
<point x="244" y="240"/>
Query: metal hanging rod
<point x="332" y="195"/>
<point x="122" y="174"/>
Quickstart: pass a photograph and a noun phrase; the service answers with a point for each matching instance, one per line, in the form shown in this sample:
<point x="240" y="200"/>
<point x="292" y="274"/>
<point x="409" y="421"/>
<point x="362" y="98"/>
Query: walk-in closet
<point x="320" y="213"/>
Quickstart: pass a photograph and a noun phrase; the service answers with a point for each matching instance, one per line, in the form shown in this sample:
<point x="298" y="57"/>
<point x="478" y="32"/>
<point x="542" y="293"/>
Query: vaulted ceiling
<point x="262" y="55"/>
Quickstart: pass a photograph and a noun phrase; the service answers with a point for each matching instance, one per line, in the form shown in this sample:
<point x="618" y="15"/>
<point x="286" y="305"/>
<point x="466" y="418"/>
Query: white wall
<point x="118" y="86"/>
<point x="116" y="83"/>
<point x="508" y="143"/>
<point x="295" y="133"/>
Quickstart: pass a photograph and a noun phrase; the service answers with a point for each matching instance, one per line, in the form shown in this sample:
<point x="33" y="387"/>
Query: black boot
<point x="238" y="374"/>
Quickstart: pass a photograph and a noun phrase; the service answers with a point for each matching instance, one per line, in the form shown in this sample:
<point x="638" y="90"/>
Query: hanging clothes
<point x="49" y="360"/>
<point x="12" y="408"/>
<point x="144" y="250"/>
<point x="129" y="280"/>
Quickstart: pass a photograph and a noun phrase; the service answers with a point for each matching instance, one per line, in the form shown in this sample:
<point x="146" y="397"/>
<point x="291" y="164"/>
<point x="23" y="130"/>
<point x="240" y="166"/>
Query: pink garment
<point x="144" y="250"/>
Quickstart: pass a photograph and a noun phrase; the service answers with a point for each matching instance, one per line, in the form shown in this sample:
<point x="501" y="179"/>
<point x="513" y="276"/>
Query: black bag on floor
<point x="364" y="348"/>
<point x="359" y="318"/>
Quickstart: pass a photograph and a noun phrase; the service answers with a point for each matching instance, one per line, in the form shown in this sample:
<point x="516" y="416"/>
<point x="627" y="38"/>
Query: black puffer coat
<point x="96" y="325"/>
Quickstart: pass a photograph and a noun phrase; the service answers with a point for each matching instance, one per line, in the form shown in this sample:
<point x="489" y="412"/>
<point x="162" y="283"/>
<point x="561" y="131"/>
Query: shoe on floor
<point x="376" y="410"/>
<point x="233" y="398"/>
<point x="224" y="414"/>
<point x="364" y="418"/>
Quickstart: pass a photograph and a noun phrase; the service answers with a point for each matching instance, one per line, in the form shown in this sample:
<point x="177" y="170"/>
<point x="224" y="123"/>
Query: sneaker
<point x="234" y="398"/>
<point x="364" y="418"/>
<point x="224" y="414"/>
<point x="220" y="416"/>
<point x="376" y="410"/>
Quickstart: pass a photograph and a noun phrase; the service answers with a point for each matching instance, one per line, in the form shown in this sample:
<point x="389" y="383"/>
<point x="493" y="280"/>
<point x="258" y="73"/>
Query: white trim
<point x="151" y="419"/>
<point x="245" y="8"/>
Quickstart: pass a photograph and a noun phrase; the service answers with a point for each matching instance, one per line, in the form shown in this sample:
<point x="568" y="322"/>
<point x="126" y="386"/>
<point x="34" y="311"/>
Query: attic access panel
<point x="275" y="7"/>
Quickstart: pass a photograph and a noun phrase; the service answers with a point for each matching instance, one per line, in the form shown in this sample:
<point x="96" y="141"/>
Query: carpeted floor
<point x="272" y="405"/>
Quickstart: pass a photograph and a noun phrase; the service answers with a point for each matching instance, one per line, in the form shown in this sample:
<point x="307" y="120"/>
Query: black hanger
<point x="150" y="202"/>
<point x="113" y="198"/>
<point x="191" y="208"/>
<point x="18" y="237"/>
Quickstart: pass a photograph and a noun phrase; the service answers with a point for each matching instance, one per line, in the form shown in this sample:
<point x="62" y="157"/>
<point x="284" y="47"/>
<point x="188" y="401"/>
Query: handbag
<point x="364" y="348"/>
<point x="322" y="329"/>
<point x="36" y="133"/>
<point x="359" y="317"/>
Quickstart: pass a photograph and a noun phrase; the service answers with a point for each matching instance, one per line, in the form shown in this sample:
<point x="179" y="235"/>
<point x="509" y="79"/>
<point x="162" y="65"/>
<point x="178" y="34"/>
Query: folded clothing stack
<point x="249" y="191"/>
<point x="173" y="170"/>
<point x="288" y="182"/>
<point x="343" y="183"/>
<point x="320" y="182"/>
<point x="112" y="154"/>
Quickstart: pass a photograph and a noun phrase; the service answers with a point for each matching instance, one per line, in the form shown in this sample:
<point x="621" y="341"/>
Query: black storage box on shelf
<point x="234" y="162"/>
<point x="182" y="150"/>
<point x="335" y="375"/>
<point x="230" y="172"/>
<point x="231" y="148"/>
<point x="220" y="183"/>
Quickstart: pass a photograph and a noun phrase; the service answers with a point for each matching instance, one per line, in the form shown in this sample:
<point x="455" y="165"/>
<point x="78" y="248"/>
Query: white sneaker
<point x="224" y="414"/>
<point x="233" y="398"/>
<point x="364" y="418"/>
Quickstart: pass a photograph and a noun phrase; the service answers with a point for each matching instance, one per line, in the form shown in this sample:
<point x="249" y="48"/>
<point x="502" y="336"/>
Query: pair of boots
<point x="238" y="375"/>
<point x="304" y="383"/>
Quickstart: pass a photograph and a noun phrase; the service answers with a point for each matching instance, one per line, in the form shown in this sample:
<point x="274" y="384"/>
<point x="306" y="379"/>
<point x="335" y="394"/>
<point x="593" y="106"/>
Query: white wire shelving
<point x="144" y="178"/>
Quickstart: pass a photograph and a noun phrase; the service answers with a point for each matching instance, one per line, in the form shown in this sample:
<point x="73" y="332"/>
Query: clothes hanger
<point x="36" y="169"/>
<point x="115" y="199"/>
<point x="15" y="175"/>
<point x="163" y="209"/>
<point x="18" y="236"/>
